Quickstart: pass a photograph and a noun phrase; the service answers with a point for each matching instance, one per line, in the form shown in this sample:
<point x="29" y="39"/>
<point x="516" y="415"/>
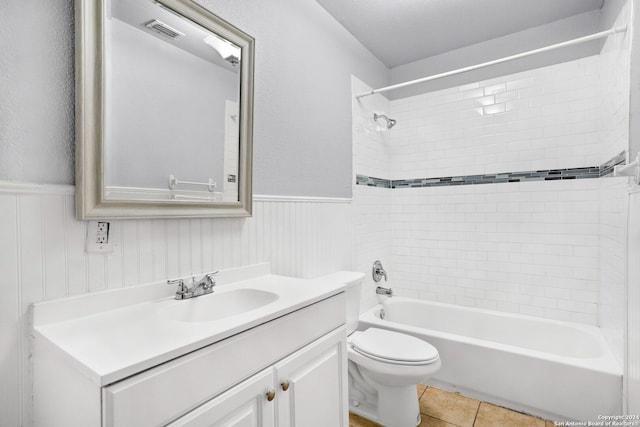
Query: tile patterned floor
<point x="440" y="408"/>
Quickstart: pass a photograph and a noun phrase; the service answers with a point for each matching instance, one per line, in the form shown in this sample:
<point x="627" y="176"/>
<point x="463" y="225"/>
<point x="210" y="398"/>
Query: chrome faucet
<point x="201" y="287"/>
<point x="378" y="272"/>
<point x="384" y="291"/>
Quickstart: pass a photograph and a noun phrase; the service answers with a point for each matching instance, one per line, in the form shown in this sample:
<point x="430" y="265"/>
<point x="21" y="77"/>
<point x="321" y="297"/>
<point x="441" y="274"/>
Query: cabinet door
<point x="312" y="384"/>
<point x="245" y="405"/>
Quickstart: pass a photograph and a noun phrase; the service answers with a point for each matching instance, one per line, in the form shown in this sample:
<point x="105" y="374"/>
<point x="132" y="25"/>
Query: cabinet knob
<point x="285" y="385"/>
<point x="271" y="394"/>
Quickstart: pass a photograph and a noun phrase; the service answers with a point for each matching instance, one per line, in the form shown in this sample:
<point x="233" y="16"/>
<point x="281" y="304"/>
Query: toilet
<point x="384" y="366"/>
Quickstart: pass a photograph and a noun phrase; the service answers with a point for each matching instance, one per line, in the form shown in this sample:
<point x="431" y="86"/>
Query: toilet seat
<point x="393" y="347"/>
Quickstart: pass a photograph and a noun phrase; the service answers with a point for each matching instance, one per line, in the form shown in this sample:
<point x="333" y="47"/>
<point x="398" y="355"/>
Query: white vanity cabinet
<point x="245" y="405"/>
<point x="306" y="389"/>
<point x="290" y="370"/>
<point x="312" y="385"/>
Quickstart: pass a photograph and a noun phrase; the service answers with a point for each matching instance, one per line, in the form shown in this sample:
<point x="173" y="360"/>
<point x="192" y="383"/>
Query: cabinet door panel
<point x="316" y="377"/>
<point x="245" y="405"/>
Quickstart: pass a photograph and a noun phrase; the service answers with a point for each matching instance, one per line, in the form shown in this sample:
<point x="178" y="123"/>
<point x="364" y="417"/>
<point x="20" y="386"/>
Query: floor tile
<point x="428" y="421"/>
<point x="450" y="407"/>
<point x="494" y="416"/>
<point x="358" y="421"/>
<point x="421" y="389"/>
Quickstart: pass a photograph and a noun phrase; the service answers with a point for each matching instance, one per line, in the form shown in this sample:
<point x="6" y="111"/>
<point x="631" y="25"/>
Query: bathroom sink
<point x="217" y="306"/>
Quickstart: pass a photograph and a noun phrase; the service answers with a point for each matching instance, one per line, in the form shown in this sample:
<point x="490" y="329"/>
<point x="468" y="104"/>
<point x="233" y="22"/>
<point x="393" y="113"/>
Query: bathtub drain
<point x="382" y="313"/>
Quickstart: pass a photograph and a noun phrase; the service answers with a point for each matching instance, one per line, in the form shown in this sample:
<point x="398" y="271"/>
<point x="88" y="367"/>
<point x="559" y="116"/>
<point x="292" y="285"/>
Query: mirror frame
<point x="89" y="110"/>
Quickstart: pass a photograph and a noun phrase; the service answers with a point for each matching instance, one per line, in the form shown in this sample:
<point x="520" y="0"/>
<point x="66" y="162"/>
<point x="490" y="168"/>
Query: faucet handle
<point x="377" y="272"/>
<point x="182" y="291"/>
<point x="179" y="282"/>
<point x="209" y="281"/>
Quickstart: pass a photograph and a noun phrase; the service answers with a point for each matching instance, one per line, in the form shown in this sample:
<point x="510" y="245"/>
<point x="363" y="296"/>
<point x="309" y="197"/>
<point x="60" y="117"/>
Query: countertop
<point x="112" y="336"/>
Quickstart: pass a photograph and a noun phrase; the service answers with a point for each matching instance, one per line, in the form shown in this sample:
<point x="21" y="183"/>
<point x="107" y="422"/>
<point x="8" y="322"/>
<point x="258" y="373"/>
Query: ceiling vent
<point x="164" y="29"/>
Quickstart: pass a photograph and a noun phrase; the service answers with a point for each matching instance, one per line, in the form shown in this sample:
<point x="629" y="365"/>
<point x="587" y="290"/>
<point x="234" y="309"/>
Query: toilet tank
<point x="353" y="280"/>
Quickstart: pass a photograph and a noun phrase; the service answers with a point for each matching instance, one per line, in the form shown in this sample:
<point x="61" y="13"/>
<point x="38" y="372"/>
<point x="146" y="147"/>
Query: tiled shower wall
<point x="550" y="248"/>
<point x="545" y="118"/>
<point x="529" y="247"/>
<point x="42" y="257"/>
<point x="372" y="205"/>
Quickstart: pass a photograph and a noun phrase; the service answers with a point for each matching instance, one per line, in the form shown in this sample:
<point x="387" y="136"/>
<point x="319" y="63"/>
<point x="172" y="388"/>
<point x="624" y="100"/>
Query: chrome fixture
<point x="390" y="122"/>
<point x="384" y="291"/>
<point x="377" y="272"/>
<point x="201" y="287"/>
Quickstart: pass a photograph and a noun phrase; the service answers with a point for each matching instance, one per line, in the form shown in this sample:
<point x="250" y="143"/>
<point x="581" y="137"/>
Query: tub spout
<point x="384" y="291"/>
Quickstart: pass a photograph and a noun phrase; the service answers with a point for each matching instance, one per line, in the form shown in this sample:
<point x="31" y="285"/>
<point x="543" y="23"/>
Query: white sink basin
<point x="217" y="306"/>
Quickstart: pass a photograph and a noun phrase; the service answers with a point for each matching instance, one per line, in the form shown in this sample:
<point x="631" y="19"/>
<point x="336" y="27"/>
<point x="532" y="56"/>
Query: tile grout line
<point x="475" y="418"/>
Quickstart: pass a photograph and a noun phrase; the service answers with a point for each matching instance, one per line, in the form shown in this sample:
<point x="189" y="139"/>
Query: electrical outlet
<point x="103" y="227"/>
<point x="99" y="237"/>
<point x="102" y="233"/>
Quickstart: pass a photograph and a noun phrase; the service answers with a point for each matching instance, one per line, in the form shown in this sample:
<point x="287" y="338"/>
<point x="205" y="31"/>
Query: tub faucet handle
<point x="378" y="272"/>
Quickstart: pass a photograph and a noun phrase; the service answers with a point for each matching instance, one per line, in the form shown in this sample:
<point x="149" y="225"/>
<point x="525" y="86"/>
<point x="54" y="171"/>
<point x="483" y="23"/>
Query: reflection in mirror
<point x="174" y="108"/>
<point x="189" y="130"/>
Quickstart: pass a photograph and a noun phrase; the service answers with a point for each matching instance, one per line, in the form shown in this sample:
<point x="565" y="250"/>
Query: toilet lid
<point x="394" y="346"/>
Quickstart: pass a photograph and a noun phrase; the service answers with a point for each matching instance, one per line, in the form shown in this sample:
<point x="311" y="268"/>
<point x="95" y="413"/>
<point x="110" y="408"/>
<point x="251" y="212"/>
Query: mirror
<point x="164" y="111"/>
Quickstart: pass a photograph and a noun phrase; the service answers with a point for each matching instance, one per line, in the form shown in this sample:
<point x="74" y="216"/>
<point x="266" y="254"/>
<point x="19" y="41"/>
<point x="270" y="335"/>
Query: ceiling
<point x="403" y="31"/>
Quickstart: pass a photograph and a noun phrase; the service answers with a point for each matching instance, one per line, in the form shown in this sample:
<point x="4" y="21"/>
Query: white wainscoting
<point x="42" y="257"/>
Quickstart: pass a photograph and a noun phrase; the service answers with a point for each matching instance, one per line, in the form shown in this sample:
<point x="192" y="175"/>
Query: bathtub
<point x="551" y="369"/>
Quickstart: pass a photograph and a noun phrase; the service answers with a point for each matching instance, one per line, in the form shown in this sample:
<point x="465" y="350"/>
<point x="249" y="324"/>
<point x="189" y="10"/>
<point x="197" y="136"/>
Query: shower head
<point x="390" y="122"/>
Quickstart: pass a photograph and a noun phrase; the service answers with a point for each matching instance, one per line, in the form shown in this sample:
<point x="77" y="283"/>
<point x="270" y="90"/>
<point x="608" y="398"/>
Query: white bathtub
<point x="555" y="370"/>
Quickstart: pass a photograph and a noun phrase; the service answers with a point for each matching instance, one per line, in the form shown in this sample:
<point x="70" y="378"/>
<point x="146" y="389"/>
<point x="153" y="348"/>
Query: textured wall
<point x="304" y="62"/>
<point x="36" y="91"/>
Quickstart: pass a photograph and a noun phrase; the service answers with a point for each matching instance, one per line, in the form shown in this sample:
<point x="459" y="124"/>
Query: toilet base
<point x="398" y="406"/>
<point x="365" y="410"/>
<point x="395" y="407"/>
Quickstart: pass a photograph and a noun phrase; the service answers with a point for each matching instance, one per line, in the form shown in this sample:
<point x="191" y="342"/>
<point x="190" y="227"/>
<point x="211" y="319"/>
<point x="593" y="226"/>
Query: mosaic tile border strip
<point x="370" y="181"/>
<point x="527" y="176"/>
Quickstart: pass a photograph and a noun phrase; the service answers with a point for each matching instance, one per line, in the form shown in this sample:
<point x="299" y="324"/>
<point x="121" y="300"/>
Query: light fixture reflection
<point x="228" y="51"/>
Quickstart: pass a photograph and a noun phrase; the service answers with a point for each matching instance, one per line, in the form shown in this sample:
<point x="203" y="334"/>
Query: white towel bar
<point x="173" y="182"/>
